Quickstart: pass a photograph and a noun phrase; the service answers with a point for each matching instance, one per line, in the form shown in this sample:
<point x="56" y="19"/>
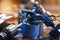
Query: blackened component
<point x="9" y="32"/>
<point x="47" y="20"/>
<point x="54" y="34"/>
<point x="38" y="9"/>
<point x="3" y="36"/>
<point x="44" y="16"/>
<point x="2" y="27"/>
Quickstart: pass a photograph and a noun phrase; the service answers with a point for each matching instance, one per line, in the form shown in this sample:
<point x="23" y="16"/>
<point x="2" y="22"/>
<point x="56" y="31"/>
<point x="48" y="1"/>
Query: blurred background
<point x="11" y="7"/>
